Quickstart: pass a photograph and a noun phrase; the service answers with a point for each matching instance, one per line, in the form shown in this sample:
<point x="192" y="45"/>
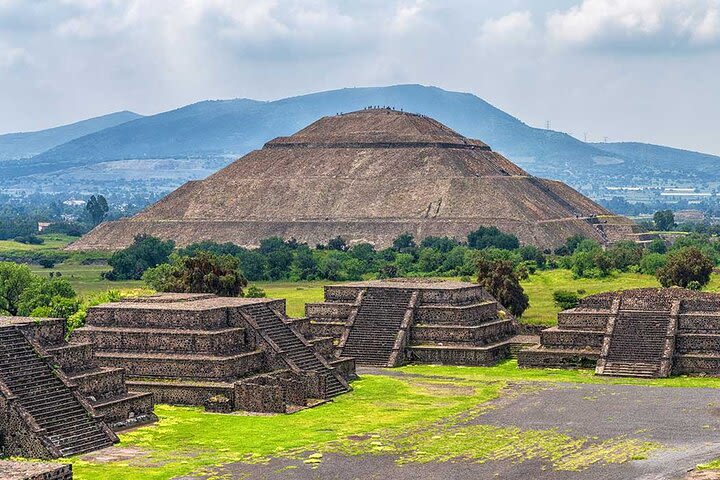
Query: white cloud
<point x="13" y="56"/>
<point x="512" y="29"/>
<point x="645" y="24"/>
<point x="407" y="15"/>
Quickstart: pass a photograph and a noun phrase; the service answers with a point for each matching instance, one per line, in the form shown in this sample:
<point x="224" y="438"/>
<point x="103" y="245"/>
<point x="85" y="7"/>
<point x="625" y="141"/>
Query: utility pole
<point x="585" y="137"/>
<point x="605" y="139"/>
<point x="547" y="124"/>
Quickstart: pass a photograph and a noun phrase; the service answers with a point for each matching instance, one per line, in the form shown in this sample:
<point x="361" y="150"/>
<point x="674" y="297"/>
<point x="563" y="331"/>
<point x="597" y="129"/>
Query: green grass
<point x="52" y="242"/>
<point x="87" y="279"/>
<point x="297" y="294"/>
<point x="431" y="415"/>
<point x="540" y="287"/>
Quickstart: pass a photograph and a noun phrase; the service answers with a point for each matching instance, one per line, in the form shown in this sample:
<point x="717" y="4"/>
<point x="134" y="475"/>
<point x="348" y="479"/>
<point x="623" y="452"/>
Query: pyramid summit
<point x="367" y="176"/>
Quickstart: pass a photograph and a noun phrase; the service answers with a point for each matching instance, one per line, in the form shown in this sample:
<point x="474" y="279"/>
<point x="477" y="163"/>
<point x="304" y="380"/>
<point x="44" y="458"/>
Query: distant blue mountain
<point x="231" y="128"/>
<point x="28" y="144"/>
<point x="667" y="157"/>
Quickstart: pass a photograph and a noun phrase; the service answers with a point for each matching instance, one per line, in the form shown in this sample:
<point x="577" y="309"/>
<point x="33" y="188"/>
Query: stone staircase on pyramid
<point x="222" y="353"/>
<point x="372" y="336"/>
<point x="297" y="350"/>
<point x="638" y="343"/>
<point x="46" y="417"/>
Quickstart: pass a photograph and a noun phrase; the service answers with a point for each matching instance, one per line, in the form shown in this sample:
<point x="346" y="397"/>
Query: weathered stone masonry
<point x="223" y="353"/>
<point x="391" y="322"/>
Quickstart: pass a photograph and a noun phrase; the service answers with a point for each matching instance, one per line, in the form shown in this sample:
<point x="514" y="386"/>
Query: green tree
<point x="657" y="245"/>
<point x="429" y="260"/>
<point x="565" y="299"/>
<point x="441" y="244"/>
<point x="625" y="254"/>
<point x="14" y="279"/>
<point x="52" y="293"/>
<point x="500" y="280"/>
<point x="304" y="266"/>
<point x="652" y="262"/>
<point x="338" y="243"/>
<point x="485" y="237"/>
<point x="664" y="220"/>
<point x="201" y="273"/>
<point x="145" y="252"/>
<point x="404" y="243"/>
<point x="684" y="266"/>
<point x="97" y="208"/>
<point x="330" y="265"/>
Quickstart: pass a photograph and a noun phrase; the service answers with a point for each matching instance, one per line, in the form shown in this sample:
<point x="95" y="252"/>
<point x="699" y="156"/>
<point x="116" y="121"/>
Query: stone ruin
<point x="644" y="332"/>
<point x="34" y="471"/>
<point x="222" y="353"/>
<point x="367" y="176"/>
<point x="390" y="322"/>
<point x="55" y="399"/>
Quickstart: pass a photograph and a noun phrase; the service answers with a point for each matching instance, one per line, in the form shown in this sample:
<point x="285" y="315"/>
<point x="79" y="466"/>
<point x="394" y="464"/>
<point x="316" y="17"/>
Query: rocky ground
<point x="679" y="426"/>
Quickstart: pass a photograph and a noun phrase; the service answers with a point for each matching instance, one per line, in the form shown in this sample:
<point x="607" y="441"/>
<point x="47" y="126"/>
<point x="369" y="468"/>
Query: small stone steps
<point x="637" y="344"/>
<point x="300" y="353"/>
<point x="378" y="321"/>
<point x="68" y="425"/>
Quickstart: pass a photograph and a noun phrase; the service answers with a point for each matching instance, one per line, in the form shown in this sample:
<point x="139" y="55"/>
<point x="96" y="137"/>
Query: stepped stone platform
<point x="392" y="322"/>
<point x="34" y="471"/>
<point x="55" y="401"/>
<point x="367" y="176"/>
<point x="644" y="332"/>
<point x="223" y="353"/>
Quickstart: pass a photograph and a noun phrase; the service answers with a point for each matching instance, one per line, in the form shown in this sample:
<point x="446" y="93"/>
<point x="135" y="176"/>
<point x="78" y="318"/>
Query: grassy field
<point x="86" y="279"/>
<point x="419" y="418"/>
<point x="52" y="242"/>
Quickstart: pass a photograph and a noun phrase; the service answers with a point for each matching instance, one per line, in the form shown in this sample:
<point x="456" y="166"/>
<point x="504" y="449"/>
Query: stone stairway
<point x="67" y="423"/>
<point x="376" y="326"/>
<point x="300" y="353"/>
<point x="637" y="344"/>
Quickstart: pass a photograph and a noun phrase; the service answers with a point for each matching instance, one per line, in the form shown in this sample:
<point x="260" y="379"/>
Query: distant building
<point x="74" y="203"/>
<point x="43" y="225"/>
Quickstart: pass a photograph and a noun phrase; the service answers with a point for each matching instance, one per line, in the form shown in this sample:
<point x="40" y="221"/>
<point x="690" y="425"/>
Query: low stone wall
<point x="459" y="356"/>
<point x="110" y="316"/>
<point x="189" y="394"/>
<point x="699" y="323"/>
<point x="546" y="358"/>
<point x="555" y="337"/>
<point x="214" y="368"/>
<point x="324" y="345"/>
<point x="454" y="315"/>
<point x="101" y="383"/>
<point x="455" y="296"/>
<point x="334" y="310"/>
<point x="697" y="343"/>
<point x="127" y="411"/>
<point x="34" y="471"/>
<point x="583" y="320"/>
<point x="480" y="335"/>
<point x="696" y="363"/>
<point x="73" y="357"/>
<point x="345" y="366"/>
<point x="327" y="329"/>
<point x="46" y="331"/>
<point x="222" y="341"/>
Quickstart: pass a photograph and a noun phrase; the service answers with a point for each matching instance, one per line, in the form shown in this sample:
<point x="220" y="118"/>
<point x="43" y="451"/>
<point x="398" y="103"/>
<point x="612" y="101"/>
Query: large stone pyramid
<point x="367" y="176"/>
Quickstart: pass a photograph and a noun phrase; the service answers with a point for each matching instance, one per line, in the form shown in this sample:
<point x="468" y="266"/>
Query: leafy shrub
<point x="145" y="252"/>
<point x="566" y="299"/>
<point x="485" y="237"/>
<point x="201" y="273"/>
<point x="685" y="266"/>
<point x="254" y="291"/>
<point x="500" y="280"/>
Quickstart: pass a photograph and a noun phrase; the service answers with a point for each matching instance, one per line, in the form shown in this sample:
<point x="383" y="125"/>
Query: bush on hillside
<point x="684" y="267"/>
<point x="500" y="280"/>
<point x="145" y="252"/>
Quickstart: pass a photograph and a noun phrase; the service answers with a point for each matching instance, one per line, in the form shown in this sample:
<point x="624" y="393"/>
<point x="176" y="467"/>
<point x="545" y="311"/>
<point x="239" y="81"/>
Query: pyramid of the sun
<point x="367" y="176"/>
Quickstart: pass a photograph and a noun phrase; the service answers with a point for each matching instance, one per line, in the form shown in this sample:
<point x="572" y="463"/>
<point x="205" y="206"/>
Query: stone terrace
<point x="34" y="471"/>
<point x="224" y="353"/>
<point x="644" y="332"/>
<point x="391" y="322"/>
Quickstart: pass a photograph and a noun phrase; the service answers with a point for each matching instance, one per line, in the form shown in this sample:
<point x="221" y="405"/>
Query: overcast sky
<point x="646" y="70"/>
